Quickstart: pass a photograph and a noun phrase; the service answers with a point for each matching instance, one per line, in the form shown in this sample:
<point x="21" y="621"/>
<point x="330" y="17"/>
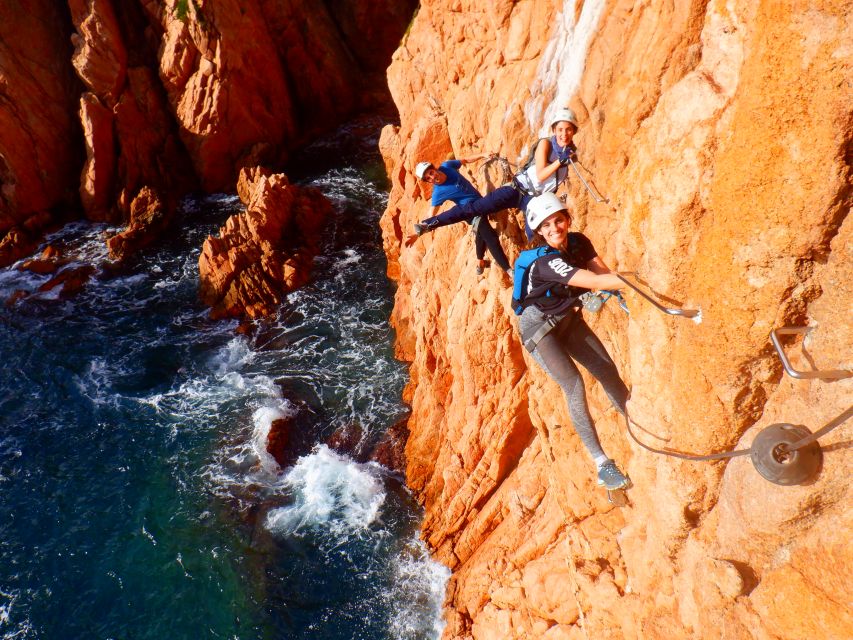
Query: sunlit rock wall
<point x="721" y="133"/>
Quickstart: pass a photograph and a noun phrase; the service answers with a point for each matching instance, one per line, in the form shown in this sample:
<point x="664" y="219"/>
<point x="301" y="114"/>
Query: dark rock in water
<point x="19" y="294"/>
<point x="279" y="439"/>
<point x="72" y="280"/>
<point x="39" y="266"/>
<point x="150" y="216"/>
<point x="16" y="244"/>
<point x="347" y="439"/>
<point x="48" y="262"/>
<point x="390" y="452"/>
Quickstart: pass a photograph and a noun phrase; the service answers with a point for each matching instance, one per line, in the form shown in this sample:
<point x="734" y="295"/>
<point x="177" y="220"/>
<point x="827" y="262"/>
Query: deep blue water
<point x="136" y="499"/>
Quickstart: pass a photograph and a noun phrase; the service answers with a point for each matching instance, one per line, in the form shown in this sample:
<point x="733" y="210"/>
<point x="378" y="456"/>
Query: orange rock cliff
<point x="722" y="134"/>
<point x="103" y="103"/>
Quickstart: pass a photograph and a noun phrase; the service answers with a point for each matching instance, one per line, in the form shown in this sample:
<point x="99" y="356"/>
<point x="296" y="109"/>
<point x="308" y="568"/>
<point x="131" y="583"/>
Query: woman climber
<point x="449" y="184"/>
<point x="547" y="170"/>
<point x="561" y="267"/>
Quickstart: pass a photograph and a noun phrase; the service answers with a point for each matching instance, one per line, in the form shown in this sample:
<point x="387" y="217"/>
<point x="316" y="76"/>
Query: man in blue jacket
<point x="449" y="185"/>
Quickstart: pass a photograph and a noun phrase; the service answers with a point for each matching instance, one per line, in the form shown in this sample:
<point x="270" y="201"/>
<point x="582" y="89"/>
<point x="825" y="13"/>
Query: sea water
<point x="137" y="499"/>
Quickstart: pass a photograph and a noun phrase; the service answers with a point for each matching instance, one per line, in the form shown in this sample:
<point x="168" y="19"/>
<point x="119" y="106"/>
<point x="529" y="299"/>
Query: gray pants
<point x="569" y="342"/>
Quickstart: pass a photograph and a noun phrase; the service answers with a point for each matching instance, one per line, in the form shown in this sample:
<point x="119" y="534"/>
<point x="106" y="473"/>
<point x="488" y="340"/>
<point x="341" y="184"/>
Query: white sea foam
<point x="344" y="185"/>
<point x="233" y="356"/>
<point x="95" y="383"/>
<point x="419" y="584"/>
<point x="11" y="629"/>
<point x="331" y="493"/>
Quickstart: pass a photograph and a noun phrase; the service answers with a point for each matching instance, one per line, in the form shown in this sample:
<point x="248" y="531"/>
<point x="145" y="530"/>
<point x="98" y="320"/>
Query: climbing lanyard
<point x="594" y="193"/>
<point x="784" y="454"/>
<point x="505" y="171"/>
<point x="694" y="314"/>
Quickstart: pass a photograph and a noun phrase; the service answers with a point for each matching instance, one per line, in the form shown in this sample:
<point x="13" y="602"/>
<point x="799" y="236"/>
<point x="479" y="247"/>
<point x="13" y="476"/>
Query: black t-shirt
<point x="557" y="269"/>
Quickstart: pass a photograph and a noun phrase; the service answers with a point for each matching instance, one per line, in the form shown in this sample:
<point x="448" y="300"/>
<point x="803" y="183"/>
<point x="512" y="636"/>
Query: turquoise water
<point x="136" y="499"/>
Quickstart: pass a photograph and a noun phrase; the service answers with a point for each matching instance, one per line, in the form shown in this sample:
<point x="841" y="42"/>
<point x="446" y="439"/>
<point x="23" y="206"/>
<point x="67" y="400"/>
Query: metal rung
<point x="684" y="313"/>
<point x="829" y="374"/>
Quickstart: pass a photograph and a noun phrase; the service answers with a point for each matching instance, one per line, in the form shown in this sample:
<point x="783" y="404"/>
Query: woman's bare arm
<point x="589" y="280"/>
<point x="544" y="169"/>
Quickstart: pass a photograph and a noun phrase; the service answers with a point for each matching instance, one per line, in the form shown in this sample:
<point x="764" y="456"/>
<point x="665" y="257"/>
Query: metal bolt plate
<point x="775" y="462"/>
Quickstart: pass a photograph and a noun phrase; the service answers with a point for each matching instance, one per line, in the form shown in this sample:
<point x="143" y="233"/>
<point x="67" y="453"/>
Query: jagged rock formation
<point x="267" y="251"/>
<point x="722" y="134"/>
<point x="132" y="145"/>
<point x="175" y="93"/>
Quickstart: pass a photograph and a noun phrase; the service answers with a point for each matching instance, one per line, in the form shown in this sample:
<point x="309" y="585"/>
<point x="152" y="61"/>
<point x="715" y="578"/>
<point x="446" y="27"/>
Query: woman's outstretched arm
<point x="589" y="280"/>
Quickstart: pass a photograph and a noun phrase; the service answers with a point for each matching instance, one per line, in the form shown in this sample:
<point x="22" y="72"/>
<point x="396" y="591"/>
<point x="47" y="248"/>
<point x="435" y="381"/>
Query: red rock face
<point x="697" y="121"/>
<point x="295" y="75"/>
<point x="262" y="254"/>
<point x="131" y="138"/>
<point x="39" y="141"/>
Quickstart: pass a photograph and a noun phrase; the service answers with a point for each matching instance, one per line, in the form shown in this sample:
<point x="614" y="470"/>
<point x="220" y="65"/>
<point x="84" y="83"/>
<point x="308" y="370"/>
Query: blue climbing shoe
<point x="610" y="476"/>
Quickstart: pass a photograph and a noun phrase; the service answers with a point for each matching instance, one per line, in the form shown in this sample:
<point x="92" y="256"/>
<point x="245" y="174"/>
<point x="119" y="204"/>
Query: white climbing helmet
<point x="566" y="115"/>
<point x="420" y="170"/>
<point x="541" y="207"/>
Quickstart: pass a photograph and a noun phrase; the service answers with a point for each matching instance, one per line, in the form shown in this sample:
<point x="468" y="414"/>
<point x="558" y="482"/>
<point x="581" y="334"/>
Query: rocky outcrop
<point x="722" y="136"/>
<point x="149" y="217"/>
<point x="39" y="141"/>
<point x="262" y="254"/>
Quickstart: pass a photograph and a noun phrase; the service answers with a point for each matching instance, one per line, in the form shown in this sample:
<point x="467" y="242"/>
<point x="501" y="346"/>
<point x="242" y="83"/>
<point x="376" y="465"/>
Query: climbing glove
<point x="565" y="156"/>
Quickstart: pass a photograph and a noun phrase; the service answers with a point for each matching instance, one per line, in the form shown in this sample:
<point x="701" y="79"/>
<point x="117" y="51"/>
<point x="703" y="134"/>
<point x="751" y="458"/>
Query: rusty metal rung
<point x="827" y="374"/>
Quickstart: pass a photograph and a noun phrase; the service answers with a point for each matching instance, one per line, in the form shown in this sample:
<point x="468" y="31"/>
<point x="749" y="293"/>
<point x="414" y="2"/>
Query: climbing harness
<point x="543" y="330"/>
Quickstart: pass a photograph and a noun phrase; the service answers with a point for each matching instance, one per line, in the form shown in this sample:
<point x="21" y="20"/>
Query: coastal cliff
<point x="721" y="134"/>
<point x="117" y="109"/>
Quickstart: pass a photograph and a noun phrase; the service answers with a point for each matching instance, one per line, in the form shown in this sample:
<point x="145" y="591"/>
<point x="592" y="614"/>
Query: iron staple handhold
<point x="826" y="374"/>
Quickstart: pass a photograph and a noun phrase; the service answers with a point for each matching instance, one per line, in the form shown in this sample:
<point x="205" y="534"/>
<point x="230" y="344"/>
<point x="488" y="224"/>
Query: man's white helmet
<point x="420" y="170"/>
<point x="541" y="207"/>
<point x="566" y="115"/>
